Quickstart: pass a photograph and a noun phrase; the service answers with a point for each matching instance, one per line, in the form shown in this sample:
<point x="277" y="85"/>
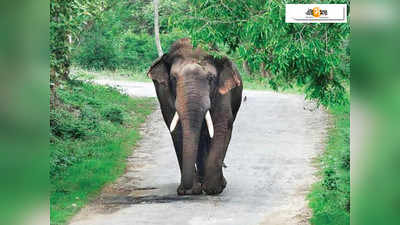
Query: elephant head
<point x="188" y="81"/>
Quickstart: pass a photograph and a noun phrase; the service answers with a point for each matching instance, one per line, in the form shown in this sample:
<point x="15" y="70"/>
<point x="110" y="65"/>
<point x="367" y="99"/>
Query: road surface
<point x="275" y="140"/>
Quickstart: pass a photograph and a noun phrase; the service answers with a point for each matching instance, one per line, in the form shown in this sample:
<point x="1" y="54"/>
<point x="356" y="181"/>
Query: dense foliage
<point x="92" y="131"/>
<point x="119" y="34"/>
<point x="127" y="51"/>
<point x="123" y="37"/>
<point x="82" y="115"/>
<point x="311" y="55"/>
<point x="68" y="19"/>
<point x="59" y="51"/>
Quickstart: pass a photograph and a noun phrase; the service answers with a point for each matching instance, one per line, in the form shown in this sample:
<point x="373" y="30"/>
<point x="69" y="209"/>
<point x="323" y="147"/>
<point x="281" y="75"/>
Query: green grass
<point x="330" y="197"/>
<point x="93" y="130"/>
<point x="259" y="83"/>
<point x="119" y="74"/>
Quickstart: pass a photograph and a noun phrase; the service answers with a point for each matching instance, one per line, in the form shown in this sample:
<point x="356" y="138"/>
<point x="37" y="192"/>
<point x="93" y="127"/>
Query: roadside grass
<point x="93" y="130"/>
<point x="119" y="74"/>
<point x="330" y="197"/>
<point x="260" y="83"/>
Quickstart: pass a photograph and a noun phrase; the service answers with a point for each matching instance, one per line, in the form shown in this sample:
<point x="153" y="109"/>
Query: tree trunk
<point x="246" y="67"/>
<point x="157" y="29"/>
<point x="263" y="72"/>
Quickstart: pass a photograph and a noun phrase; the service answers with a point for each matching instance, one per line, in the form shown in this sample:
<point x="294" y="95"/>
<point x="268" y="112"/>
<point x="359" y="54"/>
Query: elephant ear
<point x="159" y="71"/>
<point x="228" y="76"/>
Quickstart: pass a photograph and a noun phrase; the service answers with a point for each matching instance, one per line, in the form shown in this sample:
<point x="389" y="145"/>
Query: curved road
<point x="269" y="169"/>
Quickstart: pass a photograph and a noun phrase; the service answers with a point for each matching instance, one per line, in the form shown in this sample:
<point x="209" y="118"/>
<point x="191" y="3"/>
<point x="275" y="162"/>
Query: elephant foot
<point x="195" y="190"/>
<point x="214" y="188"/>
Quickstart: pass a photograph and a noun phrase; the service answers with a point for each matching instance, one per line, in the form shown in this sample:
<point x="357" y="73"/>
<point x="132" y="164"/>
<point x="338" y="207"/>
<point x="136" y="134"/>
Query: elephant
<point x="199" y="97"/>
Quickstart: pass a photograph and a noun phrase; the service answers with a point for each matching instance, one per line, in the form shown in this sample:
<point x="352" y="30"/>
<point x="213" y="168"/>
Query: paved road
<point x="270" y="169"/>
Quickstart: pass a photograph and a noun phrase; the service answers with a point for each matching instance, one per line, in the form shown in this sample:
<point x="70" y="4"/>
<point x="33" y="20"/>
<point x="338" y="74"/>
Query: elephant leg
<point x="214" y="181"/>
<point x="204" y="145"/>
<point x="196" y="188"/>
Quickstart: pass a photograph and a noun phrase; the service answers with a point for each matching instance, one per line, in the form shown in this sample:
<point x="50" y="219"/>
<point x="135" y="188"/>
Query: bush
<point x="133" y="51"/>
<point x="83" y="114"/>
<point x="114" y="113"/>
<point x="93" y="129"/>
<point x="61" y="158"/>
<point x="66" y="125"/>
<point x="97" y="52"/>
<point x="89" y="117"/>
<point x="137" y="51"/>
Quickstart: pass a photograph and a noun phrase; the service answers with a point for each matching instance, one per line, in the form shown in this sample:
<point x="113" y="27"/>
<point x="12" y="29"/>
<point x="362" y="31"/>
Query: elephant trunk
<point x="192" y="104"/>
<point x="191" y="126"/>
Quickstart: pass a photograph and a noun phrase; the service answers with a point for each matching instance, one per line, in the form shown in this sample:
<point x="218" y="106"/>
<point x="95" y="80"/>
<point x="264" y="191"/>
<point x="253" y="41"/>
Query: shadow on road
<point x="132" y="200"/>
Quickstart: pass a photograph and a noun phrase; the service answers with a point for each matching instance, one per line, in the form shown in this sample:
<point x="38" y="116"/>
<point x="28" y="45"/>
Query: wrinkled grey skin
<point x="191" y="82"/>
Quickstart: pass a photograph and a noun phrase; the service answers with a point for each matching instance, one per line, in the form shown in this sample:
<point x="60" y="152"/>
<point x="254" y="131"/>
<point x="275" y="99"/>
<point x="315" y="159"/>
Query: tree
<point x="59" y="50"/>
<point x="59" y="31"/>
<point x="312" y="56"/>
<point x="68" y="18"/>
<point x="157" y="29"/>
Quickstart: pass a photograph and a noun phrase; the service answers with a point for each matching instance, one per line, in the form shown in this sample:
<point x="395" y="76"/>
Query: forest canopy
<point x="315" y="56"/>
<point x="106" y="34"/>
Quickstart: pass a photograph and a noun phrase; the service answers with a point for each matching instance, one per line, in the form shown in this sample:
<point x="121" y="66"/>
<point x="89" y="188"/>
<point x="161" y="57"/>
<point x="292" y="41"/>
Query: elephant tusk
<point x="174" y="122"/>
<point x="209" y="124"/>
